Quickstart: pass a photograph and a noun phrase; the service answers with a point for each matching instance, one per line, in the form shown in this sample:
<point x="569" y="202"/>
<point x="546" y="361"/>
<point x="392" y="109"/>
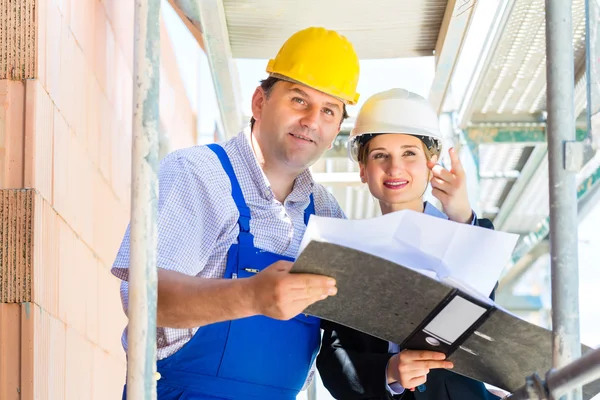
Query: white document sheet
<point x="461" y="255"/>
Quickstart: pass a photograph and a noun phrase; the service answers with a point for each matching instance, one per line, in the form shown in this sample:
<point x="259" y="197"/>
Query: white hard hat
<point x="396" y="111"/>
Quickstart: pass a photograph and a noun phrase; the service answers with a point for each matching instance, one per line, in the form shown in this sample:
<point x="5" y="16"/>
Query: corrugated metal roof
<point x="532" y="206"/>
<point x="389" y="29"/>
<point x="514" y="84"/>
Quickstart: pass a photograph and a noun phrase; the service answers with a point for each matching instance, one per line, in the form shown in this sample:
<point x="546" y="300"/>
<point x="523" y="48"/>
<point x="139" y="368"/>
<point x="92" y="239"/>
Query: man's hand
<point x="410" y="367"/>
<point x="278" y="294"/>
<point x="450" y="188"/>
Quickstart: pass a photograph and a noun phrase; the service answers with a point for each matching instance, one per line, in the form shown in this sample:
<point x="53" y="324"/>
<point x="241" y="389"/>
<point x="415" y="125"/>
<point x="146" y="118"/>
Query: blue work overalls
<point x="249" y="358"/>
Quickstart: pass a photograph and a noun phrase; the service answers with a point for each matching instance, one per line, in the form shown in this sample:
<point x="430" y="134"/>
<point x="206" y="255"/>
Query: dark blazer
<point x="353" y="366"/>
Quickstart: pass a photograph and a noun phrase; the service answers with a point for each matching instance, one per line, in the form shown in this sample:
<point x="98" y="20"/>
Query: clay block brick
<point x="121" y="17"/>
<point x="117" y="375"/>
<point x="79" y="83"/>
<point x="16" y="252"/>
<point x="18" y="40"/>
<point x="76" y="162"/>
<point x="41" y="17"/>
<point x="39" y="139"/>
<point x="12" y="120"/>
<point x="85" y="269"/>
<point x="85" y="207"/>
<point x="80" y="189"/>
<point x="109" y="375"/>
<point x="61" y="166"/>
<point x="100" y="214"/>
<point x="101" y="374"/>
<point x="10" y="351"/>
<point x="48" y="361"/>
<point x="45" y="257"/>
<point x="109" y="221"/>
<point x="80" y="22"/>
<point x="64" y="7"/>
<point x="67" y="72"/>
<point x="54" y="25"/>
<point x="99" y="61"/>
<point x="57" y="360"/>
<point x="95" y="96"/>
<point x="122" y="97"/>
<point x="106" y="129"/>
<point x="28" y="313"/>
<point x="92" y="303"/>
<point x="73" y="256"/>
<point x="16" y="351"/>
<point x="42" y="348"/>
<point x="111" y="318"/>
<point x="105" y="58"/>
<point x="84" y="28"/>
<point x="66" y="260"/>
<point x="79" y="365"/>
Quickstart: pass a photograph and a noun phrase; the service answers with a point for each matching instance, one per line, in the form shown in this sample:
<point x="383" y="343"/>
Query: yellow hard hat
<point x="321" y="59"/>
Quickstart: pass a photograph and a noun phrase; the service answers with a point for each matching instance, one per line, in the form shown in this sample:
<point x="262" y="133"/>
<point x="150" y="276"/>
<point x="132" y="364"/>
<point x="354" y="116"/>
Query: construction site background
<point x="65" y="166"/>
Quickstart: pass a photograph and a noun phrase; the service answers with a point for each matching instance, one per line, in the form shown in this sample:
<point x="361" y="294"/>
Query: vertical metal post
<point x="563" y="190"/>
<point x="141" y="355"/>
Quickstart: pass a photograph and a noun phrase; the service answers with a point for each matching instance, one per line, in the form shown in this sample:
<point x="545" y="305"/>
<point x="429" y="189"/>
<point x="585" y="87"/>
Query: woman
<point x="397" y="142"/>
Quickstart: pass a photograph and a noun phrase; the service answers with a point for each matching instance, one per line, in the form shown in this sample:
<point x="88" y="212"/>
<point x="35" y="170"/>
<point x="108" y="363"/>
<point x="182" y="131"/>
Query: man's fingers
<point x="301" y="281"/>
<point x="302" y="301"/>
<point x="457" y="167"/>
<point x="310" y="292"/>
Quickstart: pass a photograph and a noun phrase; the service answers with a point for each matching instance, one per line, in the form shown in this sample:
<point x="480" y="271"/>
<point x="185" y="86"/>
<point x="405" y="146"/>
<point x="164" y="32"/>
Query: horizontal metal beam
<point x="447" y="49"/>
<point x="535" y="237"/>
<point x="512" y="276"/>
<point x="192" y="25"/>
<point x="486" y="54"/>
<point x="511" y="174"/>
<point x="533" y="163"/>
<point x="506" y="133"/>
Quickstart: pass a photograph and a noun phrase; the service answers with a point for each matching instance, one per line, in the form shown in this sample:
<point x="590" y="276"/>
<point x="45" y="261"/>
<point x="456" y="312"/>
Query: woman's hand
<point x="450" y="188"/>
<point x="410" y="367"/>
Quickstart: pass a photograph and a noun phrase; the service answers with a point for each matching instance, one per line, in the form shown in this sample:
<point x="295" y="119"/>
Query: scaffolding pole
<point x="562" y="163"/>
<point x="560" y="381"/>
<point x="141" y="354"/>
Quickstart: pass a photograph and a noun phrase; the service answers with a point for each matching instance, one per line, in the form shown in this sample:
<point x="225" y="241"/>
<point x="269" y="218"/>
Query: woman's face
<point x="395" y="169"/>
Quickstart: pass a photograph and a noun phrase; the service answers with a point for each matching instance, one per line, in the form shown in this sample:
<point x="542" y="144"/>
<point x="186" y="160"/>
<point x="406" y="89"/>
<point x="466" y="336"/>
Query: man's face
<point x="295" y="125"/>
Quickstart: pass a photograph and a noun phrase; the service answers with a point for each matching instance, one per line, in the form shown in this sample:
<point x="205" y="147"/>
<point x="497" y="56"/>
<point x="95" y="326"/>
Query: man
<point x="230" y="221"/>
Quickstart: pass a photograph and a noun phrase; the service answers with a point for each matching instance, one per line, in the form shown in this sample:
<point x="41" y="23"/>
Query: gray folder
<point x="400" y="305"/>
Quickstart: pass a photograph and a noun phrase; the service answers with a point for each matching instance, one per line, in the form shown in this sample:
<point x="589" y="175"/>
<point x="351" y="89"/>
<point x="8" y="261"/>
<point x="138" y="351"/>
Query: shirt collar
<point x="303" y="185"/>
<point x="430" y="209"/>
